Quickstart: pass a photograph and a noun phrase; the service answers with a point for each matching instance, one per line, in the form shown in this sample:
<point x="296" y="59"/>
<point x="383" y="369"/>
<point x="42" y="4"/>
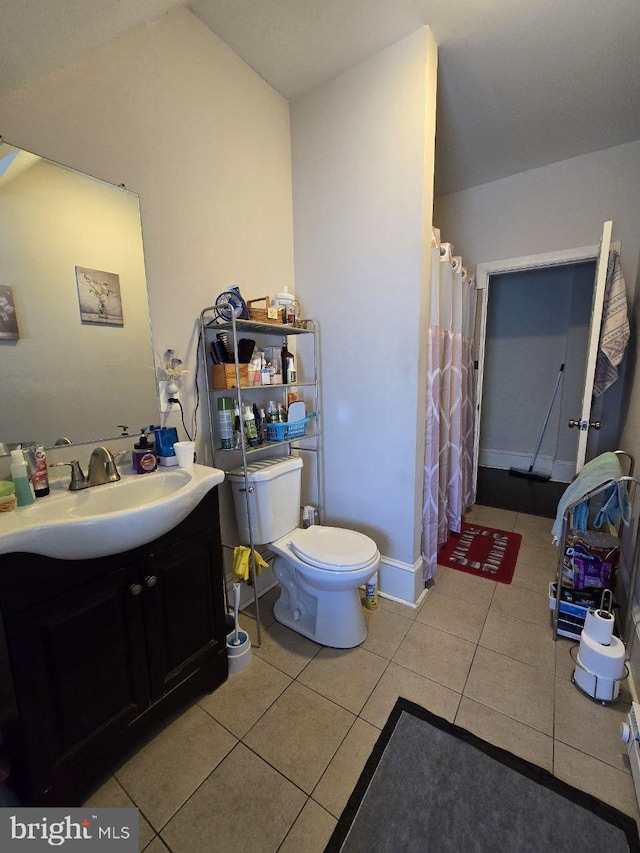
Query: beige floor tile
<point x="453" y="615"/>
<point x="543" y="555"/>
<point x="490" y="516"/>
<point x="243" y="805"/>
<point x="167" y="770"/>
<point x="564" y="662"/>
<point x="506" y="733"/>
<point x="385" y="631"/>
<point x="534" y="578"/>
<point x="596" y="778"/>
<point x="513" y="688"/>
<point x="518" y="639"/>
<point x="462" y="585"/>
<point x="398" y="681"/>
<point x="245" y="696"/>
<point x="286" y="649"/>
<point x="436" y="655"/>
<point x="339" y="779"/>
<point x="311" y="831"/>
<point x="589" y="726"/>
<point x="397" y="608"/>
<point x="345" y="676"/>
<point x="535" y="526"/>
<point x="112" y="796"/>
<point x="522" y="604"/>
<point x="300" y="734"/>
<point x="266" y="611"/>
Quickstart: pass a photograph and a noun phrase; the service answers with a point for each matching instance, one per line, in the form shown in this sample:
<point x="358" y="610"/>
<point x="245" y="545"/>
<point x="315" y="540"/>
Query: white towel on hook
<point x="614" y="334"/>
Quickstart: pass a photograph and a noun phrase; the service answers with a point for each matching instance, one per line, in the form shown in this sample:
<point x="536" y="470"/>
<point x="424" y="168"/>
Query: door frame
<point x="484" y="271"/>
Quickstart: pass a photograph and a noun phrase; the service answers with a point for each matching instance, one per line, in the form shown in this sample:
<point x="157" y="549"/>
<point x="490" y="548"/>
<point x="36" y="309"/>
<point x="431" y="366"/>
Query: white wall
<point x="170" y="111"/>
<point x="362" y="155"/>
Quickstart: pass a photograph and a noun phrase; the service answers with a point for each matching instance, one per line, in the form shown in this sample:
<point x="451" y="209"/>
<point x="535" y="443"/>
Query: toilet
<point x="319" y="568"/>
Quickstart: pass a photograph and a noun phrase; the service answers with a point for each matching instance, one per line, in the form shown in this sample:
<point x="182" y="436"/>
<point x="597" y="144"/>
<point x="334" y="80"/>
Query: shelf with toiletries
<point x="250" y="366"/>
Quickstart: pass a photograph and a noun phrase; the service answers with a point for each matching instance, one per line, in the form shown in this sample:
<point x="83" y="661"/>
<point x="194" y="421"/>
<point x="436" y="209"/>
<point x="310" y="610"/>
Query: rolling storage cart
<point x="235" y="381"/>
<point x="568" y="610"/>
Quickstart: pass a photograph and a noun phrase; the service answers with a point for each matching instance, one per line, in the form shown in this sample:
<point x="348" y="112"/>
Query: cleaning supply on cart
<point x="241" y="564"/>
<point x="597" y="472"/>
<point x="21" y="483"/>
<point x="590" y="560"/>
<point x="250" y="427"/>
<point x="225" y="422"/>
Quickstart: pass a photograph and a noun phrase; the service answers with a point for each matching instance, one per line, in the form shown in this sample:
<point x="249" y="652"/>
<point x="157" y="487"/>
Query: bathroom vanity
<point x="95" y="653"/>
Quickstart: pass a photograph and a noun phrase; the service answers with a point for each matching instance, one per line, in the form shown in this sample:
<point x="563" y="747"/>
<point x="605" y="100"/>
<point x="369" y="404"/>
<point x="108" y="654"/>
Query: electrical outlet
<point x="165" y="406"/>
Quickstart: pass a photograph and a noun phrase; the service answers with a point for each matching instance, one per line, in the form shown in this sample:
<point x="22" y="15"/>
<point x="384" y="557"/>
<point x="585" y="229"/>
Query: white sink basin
<point x="106" y="519"/>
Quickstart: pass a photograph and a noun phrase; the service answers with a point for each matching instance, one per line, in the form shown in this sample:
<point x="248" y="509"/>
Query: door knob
<point x="574" y="423"/>
<point x="151" y="580"/>
<point x="135" y="588"/>
<point x="584" y="425"/>
<point x="595" y="424"/>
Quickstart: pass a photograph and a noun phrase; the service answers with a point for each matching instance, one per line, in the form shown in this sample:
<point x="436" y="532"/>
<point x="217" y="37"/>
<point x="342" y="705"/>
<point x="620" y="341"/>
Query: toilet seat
<point x="333" y="548"/>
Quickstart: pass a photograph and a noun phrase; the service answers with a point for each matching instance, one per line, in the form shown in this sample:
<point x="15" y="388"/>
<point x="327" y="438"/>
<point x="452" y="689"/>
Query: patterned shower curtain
<point x="449" y="428"/>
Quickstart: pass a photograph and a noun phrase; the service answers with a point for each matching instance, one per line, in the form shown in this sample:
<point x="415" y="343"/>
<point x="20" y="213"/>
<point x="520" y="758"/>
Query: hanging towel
<point x="596" y="473"/>
<point x="614" y="334"/>
<point x="241" y="566"/>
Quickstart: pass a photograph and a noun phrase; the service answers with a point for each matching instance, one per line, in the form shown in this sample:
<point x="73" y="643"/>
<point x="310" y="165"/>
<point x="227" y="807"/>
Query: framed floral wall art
<point x="99" y="296"/>
<point x="8" y="319"/>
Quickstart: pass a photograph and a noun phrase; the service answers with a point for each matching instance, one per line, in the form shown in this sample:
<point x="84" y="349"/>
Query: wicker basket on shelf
<point x="261" y="315"/>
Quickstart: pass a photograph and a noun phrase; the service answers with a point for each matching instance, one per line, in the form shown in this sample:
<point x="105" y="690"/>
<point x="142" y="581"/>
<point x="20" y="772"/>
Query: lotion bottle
<point x="23" y="488"/>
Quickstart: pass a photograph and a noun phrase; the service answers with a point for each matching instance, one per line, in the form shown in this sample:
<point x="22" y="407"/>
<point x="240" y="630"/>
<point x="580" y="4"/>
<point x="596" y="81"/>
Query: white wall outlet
<point x="165" y="406"/>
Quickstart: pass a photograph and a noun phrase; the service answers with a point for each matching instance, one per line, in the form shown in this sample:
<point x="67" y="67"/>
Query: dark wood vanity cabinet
<point x="100" y="651"/>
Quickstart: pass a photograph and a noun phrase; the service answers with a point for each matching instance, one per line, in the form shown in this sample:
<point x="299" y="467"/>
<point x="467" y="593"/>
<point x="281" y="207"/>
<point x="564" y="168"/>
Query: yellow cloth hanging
<point x="241" y="565"/>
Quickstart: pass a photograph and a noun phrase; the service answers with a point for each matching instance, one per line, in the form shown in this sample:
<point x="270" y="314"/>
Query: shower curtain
<point x="449" y="428"/>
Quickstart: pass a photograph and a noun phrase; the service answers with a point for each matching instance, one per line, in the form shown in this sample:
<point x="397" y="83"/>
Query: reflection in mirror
<point x="75" y="339"/>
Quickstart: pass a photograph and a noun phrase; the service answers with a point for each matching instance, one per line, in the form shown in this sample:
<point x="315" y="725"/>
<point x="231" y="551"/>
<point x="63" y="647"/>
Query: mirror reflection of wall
<point x="65" y="375"/>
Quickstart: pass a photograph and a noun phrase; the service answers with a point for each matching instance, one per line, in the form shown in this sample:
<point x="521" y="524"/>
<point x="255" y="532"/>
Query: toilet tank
<point x="274" y="501"/>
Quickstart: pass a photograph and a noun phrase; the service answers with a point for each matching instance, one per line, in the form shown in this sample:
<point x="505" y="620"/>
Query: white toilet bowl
<point x="320" y="570"/>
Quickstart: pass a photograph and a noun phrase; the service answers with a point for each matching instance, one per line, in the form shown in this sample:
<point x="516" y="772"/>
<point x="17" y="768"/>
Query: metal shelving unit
<point x="631" y="483"/>
<point x="309" y="442"/>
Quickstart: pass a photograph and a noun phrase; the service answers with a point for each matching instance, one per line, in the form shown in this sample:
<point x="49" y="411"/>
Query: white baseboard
<point x="401" y="582"/>
<point x="559" y="470"/>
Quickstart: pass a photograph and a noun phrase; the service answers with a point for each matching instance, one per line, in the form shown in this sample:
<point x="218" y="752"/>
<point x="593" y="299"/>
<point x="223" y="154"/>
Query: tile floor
<point x="267" y="762"/>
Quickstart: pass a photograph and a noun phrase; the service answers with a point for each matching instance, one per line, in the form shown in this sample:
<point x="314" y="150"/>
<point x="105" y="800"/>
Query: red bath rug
<point x="482" y="551"/>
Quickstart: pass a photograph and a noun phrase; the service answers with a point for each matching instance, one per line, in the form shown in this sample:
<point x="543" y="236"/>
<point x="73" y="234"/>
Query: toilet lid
<point x="333" y="547"/>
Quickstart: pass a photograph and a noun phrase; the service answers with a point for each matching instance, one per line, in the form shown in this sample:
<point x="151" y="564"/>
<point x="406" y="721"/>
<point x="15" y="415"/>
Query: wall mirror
<point x="75" y="338"/>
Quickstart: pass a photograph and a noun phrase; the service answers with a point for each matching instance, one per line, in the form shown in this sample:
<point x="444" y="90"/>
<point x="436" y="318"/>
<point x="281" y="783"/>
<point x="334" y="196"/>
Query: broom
<point x="530" y="474"/>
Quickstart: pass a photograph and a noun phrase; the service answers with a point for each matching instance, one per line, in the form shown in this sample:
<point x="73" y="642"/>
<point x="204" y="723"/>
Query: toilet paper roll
<point x="604" y="689"/>
<point x="604" y="661"/>
<point x="598" y="625"/>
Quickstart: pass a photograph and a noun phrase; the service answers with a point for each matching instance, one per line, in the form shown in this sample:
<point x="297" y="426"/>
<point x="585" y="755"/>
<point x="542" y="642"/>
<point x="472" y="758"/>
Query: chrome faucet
<point x="102" y="469"/>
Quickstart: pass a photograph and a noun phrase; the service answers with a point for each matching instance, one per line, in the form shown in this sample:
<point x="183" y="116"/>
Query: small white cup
<point x="185" y="451"/>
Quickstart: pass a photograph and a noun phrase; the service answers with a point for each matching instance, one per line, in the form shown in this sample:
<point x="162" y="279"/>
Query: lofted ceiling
<point x="522" y="83"/>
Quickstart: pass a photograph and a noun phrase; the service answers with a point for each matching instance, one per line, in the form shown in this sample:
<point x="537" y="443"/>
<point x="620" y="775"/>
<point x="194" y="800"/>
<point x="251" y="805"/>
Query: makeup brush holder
<point x="238" y="656"/>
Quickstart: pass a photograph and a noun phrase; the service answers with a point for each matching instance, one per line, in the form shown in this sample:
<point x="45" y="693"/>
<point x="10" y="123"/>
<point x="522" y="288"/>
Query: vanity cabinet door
<point x="183" y="613"/>
<point x="80" y="673"/>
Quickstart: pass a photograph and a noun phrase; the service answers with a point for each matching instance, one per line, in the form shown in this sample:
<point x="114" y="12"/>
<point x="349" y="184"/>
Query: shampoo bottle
<point x="225" y="422"/>
<point x="20" y="475"/>
<point x="37" y="464"/>
<point x="250" y="427"/>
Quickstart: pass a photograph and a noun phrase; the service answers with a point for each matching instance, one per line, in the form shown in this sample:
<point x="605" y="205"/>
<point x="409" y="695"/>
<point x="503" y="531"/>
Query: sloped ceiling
<point x="522" y="83"/>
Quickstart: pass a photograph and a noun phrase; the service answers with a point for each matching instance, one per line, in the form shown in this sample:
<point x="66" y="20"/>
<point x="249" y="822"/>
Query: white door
<point x="483" y="273"/>
<point x="583" y="424"/>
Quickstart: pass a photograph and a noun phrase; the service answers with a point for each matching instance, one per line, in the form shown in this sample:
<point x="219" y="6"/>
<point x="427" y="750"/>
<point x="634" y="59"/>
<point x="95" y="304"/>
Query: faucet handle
<point x="78" y="480"/>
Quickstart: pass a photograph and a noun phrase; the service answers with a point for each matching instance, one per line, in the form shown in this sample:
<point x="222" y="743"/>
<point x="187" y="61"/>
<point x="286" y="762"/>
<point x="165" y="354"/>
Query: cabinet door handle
<point x="151" y="580"/>
<point x="135" y="588"/>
